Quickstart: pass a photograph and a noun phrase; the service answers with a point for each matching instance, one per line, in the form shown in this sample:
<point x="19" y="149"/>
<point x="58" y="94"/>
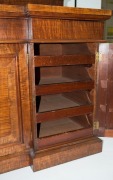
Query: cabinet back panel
<point x="61" y="74"/>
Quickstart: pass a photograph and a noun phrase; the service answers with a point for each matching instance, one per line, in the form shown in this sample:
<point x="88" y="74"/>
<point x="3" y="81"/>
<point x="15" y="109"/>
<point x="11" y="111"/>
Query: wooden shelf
<point x="64" y="87"/>
<point x="63" y="60"/>
<point x="60" y="101"/>
<point x="63" y="125"/>
<point x="62" y="113"/>
<point x="54" y="80"/>
<point x="46" y="142"/>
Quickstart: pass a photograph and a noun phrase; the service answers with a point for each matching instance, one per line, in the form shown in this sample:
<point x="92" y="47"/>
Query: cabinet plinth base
<point x="14" y="161"/>
<point x="108" y="133"/>
<point x="66" y="152"/>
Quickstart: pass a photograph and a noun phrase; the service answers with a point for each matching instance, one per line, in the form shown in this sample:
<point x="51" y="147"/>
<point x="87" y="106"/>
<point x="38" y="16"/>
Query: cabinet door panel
<point x="104" y="105"/>
<point x="15" y="129"/>
<point x="10" y="114"/>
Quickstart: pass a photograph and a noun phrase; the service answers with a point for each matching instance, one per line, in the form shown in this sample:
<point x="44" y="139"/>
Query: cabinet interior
<point x="60" y="101"/>
<point x="64" y="125"/>
<point x="60" y="74"/>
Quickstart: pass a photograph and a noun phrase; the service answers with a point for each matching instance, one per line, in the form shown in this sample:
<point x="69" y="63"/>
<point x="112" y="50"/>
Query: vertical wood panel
<point x="10" y="113"/>
<point x="14" y="104"/>
<point x="109" y="115"/>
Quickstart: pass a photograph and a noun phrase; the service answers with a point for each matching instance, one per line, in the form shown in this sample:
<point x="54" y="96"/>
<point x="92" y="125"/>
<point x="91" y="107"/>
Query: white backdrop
<point x="83" y="3"/>
<point x="70" y="3"/>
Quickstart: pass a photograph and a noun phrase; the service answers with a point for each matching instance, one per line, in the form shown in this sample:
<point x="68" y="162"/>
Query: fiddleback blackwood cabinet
<point x="48" y="61"/>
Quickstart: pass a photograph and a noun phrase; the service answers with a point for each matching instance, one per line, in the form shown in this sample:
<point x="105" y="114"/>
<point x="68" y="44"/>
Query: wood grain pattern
<point x="104" y="105"/>
<point x="67" y="12"/>
<point x="109" y="120"/>
<point x="108" y="133"/>
<point x="24" y="2"/>
<point x="11" y="11"/>
<point x="20" y="28"/>
<point x="41" y="117"/>
<point x="10" y="114"/>
<point x="15" y="125"/>
<point x="67" y="152"/>
<point x="13" y="29"/>
<point x="61" y="88"/>
<point x="13" y="162"/>
<point x="66" y="29"/>
<point x="55" y="140"/>
<point x="41" y="61"/>
<point x="66" y="40"/>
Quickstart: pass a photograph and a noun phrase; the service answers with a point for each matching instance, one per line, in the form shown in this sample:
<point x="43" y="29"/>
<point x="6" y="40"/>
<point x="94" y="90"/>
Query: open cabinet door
<point x="104" y="87"/>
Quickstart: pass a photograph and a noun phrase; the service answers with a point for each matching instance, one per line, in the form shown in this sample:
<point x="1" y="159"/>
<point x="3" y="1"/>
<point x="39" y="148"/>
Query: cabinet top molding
<point x="67" y="12"/>
<point x="11" y="11"/>
<point x="59" y="12"/>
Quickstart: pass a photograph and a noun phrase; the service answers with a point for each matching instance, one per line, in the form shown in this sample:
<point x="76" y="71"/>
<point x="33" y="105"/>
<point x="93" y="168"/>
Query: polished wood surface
<point x="60" y="26"/>
<point x="60" y="29"/>
<point x="24" y="2"/>
<point x="64" y="60"/>
<point x="65" y="87"/>
<point x="11" y="11"/>
<point x="65" y="153"/>
<point x="29" y="70"/>
<point x="55" y="12"/>
<point x="55" y="55"/>
<point x="14" y="122"/>
<point x="40" y="117"/>
<point x="104" y="89"/>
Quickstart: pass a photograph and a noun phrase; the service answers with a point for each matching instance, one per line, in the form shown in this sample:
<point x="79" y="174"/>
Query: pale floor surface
<point x="95" y="167"/>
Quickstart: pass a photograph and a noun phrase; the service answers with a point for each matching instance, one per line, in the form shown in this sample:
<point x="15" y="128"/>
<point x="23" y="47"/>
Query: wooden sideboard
<point x="48" y="103"/>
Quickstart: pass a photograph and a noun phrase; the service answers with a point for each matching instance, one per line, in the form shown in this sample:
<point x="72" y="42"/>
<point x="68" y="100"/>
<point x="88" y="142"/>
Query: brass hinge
<point x="98" y="56"/>
<point x="96" y="125"/>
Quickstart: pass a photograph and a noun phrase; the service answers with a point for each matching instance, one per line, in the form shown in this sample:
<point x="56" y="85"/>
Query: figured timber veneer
<point x="15" y="125"/>
<point x="24" y="2"/>
<point x="47" y="77"/>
